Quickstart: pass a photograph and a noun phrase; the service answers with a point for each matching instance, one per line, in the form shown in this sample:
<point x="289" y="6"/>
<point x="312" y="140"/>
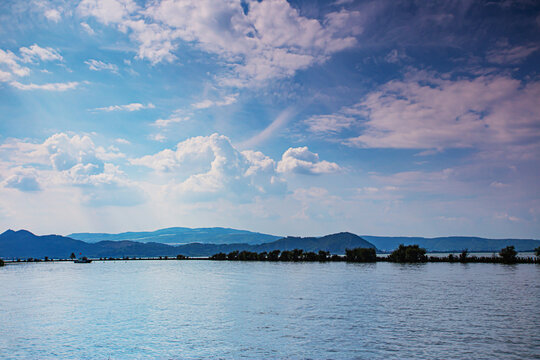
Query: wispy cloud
<point x="281" y="120"/>
<point x="10" y="62"/>
<point x="53" y="15"/>
<point x="127" y="107"/>
<point x="511" y="55"/>
<point x="35" y="52"/>
<point x="47" y="87"/>
<point x="332" y="123"/>
<point x="88" y="28"/>
<point x="170" y="120"/>
<point x="97" y="65"/>
<point x="227" y="100"/>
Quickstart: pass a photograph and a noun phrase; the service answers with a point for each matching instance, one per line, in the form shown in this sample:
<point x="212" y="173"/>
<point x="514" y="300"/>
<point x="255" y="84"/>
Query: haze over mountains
<point x="23" y="244"/>
<point x="209" y="241"/>
<point x="182" y="235"/>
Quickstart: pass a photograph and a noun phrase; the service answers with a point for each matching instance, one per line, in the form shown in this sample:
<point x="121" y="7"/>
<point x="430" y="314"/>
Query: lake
<point x="210" y="309"/>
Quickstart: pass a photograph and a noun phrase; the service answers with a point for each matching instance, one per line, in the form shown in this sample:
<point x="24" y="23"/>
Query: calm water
<point x="202" y="309"/>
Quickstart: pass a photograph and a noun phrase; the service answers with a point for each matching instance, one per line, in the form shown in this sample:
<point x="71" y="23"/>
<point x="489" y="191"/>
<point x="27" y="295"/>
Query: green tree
<point x="219" y="256"/>
<point x="72" y="256"/>
<point x="463" y="255"/>
<point x="297" y="254"/>
<point x="286" y="256"/>
<point x="537" y="251"/>
<point x="1" y="262"/>
<point x="508" y="255"/>
<point x="360" y="255"/>
<point x="409" y="253"/>
<point x="181" y="257"/>
<point x="310" y="256"/>
<point x="323" y="255"/>
<point x="273" y="255"/>
<point x="233" y="255"/>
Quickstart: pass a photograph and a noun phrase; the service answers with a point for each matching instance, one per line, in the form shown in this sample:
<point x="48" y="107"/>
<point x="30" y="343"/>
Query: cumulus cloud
<point x="129" y="107"/>
<point x="302" y="161"/>
<point x="259" y="40"/>
<point x="73" y="161"/>
<point x="97" y="65"/>
<point x="210" y="167"/>
<point x="24" y="180"/>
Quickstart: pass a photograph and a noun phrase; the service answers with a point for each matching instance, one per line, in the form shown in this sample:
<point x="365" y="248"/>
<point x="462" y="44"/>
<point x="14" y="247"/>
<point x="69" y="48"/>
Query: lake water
<point x="207" y="309"/>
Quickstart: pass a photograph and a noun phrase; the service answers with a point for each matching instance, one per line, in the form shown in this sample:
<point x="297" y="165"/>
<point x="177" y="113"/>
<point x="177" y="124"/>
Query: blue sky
<point x="291" y="118"/>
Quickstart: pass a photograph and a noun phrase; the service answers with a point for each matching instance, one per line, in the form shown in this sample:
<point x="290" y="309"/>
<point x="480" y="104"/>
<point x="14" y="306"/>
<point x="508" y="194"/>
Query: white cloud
<point x="35" y="52"/>
<point x="122" y="141"/>
<point x="53" y="15"/>
<point x="227" y="100"/>
<point x="302" y="161"/>
<point x="505" y="216"/>
<point x="128" y="107"/>
<point x="511" y="55"/>
<point x="332" y="123"/>
<point x="97" y="65"/>
<point x="170" y="120"/>
<point x="47" y="87"/>
<point x="88" y="28"/>
<point x="395" y="56"/>
<point x="10" y="61"/>
<point x="210" y="167"/>
<point x="280" y="121"/>
<point x="429" y="111"/>
<point x="24" y="180"/>
<point x="270" y="40"/>
<point x="70" y="162"/>
<point x="108" y="11"/>
<point x="157" y="137"/>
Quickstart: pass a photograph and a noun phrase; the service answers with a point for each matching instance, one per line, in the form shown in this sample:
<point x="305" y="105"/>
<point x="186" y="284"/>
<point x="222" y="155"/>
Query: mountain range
<point x="209" y="241"/>
<point x="452" y="243"/>
<point x="24" y="244"/>
<point x="182" y="235"/>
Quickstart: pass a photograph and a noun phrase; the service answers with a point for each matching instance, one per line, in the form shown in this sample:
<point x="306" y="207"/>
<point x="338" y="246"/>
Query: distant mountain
<point x="452" y="243"/>
<point x="24" y="244"/>
<point x="335" y="243"/>
<point x="182" y="235"/>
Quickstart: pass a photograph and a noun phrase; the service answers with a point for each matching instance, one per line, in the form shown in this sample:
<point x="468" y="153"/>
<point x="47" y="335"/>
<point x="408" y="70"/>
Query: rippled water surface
<point x="203" y="309"/>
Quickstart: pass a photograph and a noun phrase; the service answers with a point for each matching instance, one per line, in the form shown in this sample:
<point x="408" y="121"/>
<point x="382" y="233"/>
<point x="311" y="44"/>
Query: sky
<point x="385" y="117"/>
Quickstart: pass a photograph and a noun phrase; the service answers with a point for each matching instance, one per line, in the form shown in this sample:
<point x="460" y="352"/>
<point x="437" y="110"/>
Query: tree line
<point x="403" y="254"/>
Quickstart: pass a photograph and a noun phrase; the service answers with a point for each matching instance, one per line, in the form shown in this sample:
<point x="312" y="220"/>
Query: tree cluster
<point x="408" y="254"/>
<point x="275" y="255"/>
